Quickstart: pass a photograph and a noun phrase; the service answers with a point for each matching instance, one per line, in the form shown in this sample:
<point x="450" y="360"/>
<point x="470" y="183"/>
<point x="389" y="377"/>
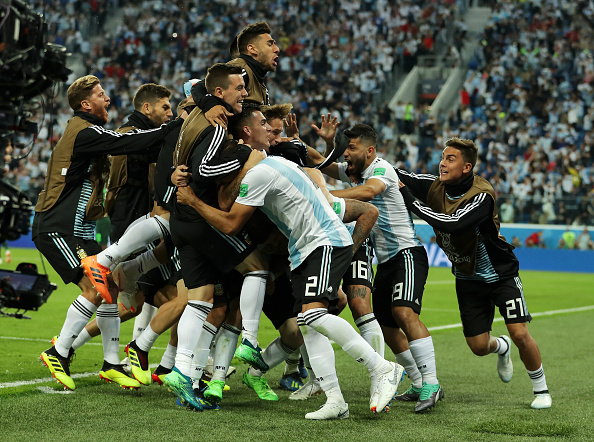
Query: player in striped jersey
<point x="64" y="223"/>
<point x="320" y="250"/>
<point x="460" y="206"/>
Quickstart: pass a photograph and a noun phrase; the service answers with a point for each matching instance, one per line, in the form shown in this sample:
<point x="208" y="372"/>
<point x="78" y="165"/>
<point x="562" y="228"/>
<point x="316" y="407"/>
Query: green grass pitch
<point x="477" y="405"/>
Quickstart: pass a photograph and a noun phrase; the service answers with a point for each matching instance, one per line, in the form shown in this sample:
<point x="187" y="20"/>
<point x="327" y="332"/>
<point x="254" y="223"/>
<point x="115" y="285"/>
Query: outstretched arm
<point x="365" y="214"/>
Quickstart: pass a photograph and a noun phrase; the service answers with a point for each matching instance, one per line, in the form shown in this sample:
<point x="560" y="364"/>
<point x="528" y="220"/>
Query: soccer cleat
<point x="139" y="363"/>
<point x="260" y="385"/>
<point x="98" y="276"/>
<point x="387" y="384"/>
<point x="214" y="391"/>
<point x="290" y="382"/>
<point x="329" y="411"/>
<point x="159" y="374"/>
<point x="181" y="385"/>
<point x="58" y="366"/>
<point x="250" y="355"/>
<point x="303" y="374"/>
<point x="310" y="389"/>
<point x="116" y="373"/>
<point x="430" y="394"/>
<point x="542" y="401"/>
<point x="127" y="286"/>
<point x="412" y="394"/>
<point x="505" y="367"/>
<point x="199" y="392"/>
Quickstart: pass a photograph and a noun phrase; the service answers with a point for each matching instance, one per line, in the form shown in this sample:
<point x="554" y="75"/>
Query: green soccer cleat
<point x="181" y="385"/>
<point x="214" y="392"/>
<point x="430" y="394"/>
<point x="250" y="355"/>
<point x="117" y="374"/>
<point x="260" y="385"/>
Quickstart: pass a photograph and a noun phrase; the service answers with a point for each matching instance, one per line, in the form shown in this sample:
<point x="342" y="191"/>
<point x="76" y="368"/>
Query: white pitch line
<point x="85" y="375"/>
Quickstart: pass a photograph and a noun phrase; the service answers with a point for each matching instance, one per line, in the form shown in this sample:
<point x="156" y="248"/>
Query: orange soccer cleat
<point x="97" y="273"/>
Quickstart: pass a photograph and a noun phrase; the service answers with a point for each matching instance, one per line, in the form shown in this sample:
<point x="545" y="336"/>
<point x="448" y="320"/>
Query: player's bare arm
<point x="364" y="192"/>
<point x="365" y="214"/>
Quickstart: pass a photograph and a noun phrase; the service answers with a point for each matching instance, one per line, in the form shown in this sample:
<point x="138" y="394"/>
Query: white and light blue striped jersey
<point x="394" y="229"/>
<point x="295" y="204"/>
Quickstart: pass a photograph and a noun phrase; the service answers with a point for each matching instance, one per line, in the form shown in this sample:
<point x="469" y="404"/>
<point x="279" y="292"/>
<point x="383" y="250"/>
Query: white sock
<point x="168" y="358"/>
<point x="108" y="321"/>
<point x="251" y="301"/>
<point x="224" y="351"/>
<point x="371" y="332"/>
<point x="412" y="371"/>
<point x="135" y="239"/>
<point x="424" y="353"/>
<point x="322" y="359"/>
<point x="502" y="346"/>
<point x="292" y="363"/>
<point x="305" y="355"/>
<point x="147" y="339"/>
<point x="137" y="220"/>
<point x="189" y="330"/>
<point x="143" y="319"/>
<point x="202" y="350"/>
<point x="82" y="339"/>
<point x="539" y="382"/>
<point x="275" y="353"/>
<point x="78" y="315"/>
<point x="341" y="332"/>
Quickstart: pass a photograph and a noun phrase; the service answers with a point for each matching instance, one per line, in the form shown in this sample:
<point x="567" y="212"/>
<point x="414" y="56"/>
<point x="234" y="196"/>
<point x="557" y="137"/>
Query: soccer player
<point x="65" y="216"/>
<point x="460" y="206"/>
<point x="402" y="263"/>
<point x="320" y="250"/>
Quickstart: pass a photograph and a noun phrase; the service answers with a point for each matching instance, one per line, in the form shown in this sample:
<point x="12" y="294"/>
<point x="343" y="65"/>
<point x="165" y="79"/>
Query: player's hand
<point x="255" y="157"/>
<point x="327" y="130"/>
<point x="185" y="195"/>
<point x="291" y="128"/>
<point x="180" y="176"/>
<point x="218" y="115"/>
<point x="401" y="184"/>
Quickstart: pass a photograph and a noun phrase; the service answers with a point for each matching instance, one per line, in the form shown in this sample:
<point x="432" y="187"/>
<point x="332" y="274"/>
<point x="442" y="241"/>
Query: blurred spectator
<point x="516" y="242"/>
<point x="535" y="240"/>
<point x="584" y="240"/>
<point x="567" y="240"/>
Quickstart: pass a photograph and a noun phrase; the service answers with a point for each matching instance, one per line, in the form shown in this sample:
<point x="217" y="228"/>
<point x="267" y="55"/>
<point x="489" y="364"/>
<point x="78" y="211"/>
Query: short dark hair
<point x="364" y="132"/>
<point x="149" y="93"/>
<point x="80" y="90"/>
<point x="233" y="49"/>
<point x="250" y="33"/>
<point x="280" y="111"/>
<point x="242" y="119"/>
<point x="467" y="148"/>
<point x="218" y="76"/>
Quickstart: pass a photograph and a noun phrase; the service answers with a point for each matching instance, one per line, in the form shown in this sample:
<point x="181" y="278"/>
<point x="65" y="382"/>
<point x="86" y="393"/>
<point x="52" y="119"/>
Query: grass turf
<point x="477" y="405"/>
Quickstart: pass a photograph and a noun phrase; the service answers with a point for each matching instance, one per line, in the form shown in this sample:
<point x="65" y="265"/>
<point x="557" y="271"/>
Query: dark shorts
<point x="64" y="253"/>
<point x="319" y="276"/>
<point x="360" y="271"/>
<point x="205" y="253"/>
<point x="279" y="306"/>
<point x="400" y="282"/>
<point x="477" y="301"/>
<point x="132" y="203"/>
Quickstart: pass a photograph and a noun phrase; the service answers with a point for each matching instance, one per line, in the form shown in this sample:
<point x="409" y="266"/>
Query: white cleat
<point x="309" y="389"/>
<point x="126" y="282"/>
<point x="126" y="363"/>
<point x="387" y="384"/>
<point x="329" y="411"/>
<point x="541" y="401"/>
<point x="505" y="367"/>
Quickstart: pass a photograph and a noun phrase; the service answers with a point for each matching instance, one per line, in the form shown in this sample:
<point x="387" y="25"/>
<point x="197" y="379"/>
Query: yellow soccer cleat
<point x="117" y="374"/>
<point x="139" y="363"/>
<point x="58" y="366"/>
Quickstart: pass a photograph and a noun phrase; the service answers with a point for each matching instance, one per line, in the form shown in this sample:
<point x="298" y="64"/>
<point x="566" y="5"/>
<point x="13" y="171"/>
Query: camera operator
<point x="66" y="213"/>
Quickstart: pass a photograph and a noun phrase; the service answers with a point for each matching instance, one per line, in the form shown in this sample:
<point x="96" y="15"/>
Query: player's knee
<point x="404" y="316"/>
<point x="359" y="307"/>
<point x="480" y="347"/>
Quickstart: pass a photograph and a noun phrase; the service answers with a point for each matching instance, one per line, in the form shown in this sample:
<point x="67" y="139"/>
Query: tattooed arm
<point x="365" y="214"/>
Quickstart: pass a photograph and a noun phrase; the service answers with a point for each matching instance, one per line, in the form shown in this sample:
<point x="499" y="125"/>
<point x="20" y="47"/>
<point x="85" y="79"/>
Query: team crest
<point x="81" y="253"/>
<point x="445" y="240"/>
